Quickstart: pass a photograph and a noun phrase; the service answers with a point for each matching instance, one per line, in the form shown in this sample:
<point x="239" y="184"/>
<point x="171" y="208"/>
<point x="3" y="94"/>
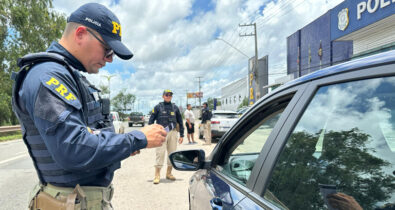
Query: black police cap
<point x="102" y="20"/>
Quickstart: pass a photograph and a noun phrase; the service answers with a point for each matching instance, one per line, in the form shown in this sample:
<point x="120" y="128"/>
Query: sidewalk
<point x="133" y="183"/>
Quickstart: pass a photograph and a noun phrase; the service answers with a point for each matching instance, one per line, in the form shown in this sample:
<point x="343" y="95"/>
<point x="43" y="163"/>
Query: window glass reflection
<point x="242" y="159"/>
<point x="346" y="139"/>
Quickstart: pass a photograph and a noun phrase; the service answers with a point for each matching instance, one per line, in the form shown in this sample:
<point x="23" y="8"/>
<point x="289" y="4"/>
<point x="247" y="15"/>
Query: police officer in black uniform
<point x="168" y="115"/>
<point x="65" y="123"/>
<point x="206" y="122"/>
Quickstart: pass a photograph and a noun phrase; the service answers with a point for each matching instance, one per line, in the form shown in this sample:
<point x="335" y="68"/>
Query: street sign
<point x="195" y="95"/>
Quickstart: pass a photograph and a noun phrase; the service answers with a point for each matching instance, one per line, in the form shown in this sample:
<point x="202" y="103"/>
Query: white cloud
<point x="172" y="48"/>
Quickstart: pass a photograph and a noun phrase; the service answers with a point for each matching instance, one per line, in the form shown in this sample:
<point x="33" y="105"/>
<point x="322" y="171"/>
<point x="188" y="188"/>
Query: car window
<point x="241" y="160"/>
<point x="344" y="143"/>
<point x="225" y="115"/>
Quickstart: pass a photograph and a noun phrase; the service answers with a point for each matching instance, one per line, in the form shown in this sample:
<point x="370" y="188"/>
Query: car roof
<point x="224" y="112"/>
<point x="377" y="59"/>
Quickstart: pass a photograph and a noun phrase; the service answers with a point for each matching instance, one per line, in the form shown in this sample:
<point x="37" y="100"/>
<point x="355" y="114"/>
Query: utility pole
<point x="256" y="54"/>
<point x="200" y="99"/>
<point x="186" y="92"/>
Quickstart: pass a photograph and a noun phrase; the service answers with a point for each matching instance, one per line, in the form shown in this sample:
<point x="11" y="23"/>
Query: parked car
<point x="242" y="110"/>
<point x="221" y="122"/>
<point x="118" y="126"/>
<point x="136" y="118"/>
<point x="329" y="132"/>
<point x="146" y="118"/>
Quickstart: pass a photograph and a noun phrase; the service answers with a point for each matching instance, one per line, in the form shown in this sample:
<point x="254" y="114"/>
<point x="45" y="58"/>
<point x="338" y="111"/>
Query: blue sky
<point x="174" y="42"/>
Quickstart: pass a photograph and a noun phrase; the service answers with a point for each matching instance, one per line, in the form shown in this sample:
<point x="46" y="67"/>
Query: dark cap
<point x="167" y="91"/>
<point x="102" y="20"/>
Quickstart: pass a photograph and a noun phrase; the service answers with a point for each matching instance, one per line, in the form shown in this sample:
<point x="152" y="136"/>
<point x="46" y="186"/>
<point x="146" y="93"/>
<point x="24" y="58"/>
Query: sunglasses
<point x="168" y="94"/>
<point x="108" y="53"/>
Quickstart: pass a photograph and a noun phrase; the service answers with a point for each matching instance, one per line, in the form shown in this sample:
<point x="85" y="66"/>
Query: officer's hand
<point x="135" y="153"/>
<point x="180" y="140"/>
<point x="155" y="134"/>
<point x="342" y="201"/>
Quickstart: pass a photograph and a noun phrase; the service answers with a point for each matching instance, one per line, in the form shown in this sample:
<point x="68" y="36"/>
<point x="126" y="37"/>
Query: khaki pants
<point x="170" y="145"/>
<point x="93" y="197"/>
<point x="207" y="131"/>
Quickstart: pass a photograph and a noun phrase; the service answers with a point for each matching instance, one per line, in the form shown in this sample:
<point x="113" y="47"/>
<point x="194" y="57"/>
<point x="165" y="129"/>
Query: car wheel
<point x="142" y="125"/>
<point x="130" y="124"/>
<point x="200" y="136"/>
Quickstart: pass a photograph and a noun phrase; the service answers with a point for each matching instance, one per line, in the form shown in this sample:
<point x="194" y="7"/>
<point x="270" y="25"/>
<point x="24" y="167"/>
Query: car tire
<point x="142" y="125"/>
<point x="200" y="136"/>
<point x="130" y="124"/>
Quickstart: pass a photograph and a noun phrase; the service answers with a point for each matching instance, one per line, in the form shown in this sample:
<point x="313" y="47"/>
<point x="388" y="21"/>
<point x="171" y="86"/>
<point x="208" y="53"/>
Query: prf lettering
<point x="61" y="89"/>
<point x="116" y="28"/>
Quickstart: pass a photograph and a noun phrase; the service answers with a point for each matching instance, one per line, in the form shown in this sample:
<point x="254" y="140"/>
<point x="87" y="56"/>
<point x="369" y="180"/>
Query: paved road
<point x="133" y="182"/>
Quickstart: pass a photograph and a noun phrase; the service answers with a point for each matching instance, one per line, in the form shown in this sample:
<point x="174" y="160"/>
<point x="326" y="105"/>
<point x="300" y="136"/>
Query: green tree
<point x="210" y="102"/>
<point x="345" y="160"/>
<point x="123" y="101"/>
<point x="26" y="26"/>
<point x="104" y="89"/>
<point x="244" y="103"/>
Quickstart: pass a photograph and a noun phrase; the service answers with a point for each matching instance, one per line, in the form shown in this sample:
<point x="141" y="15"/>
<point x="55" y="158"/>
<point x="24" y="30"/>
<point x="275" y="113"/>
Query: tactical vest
<point x="165" y="118"/>
<point x="96" y="115"/>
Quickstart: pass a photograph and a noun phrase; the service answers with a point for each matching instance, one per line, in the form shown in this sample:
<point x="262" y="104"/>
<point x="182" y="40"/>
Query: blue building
<point x="352" y="29"/>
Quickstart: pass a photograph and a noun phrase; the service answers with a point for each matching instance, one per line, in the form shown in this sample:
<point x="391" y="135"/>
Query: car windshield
<point x="136" y="113"/>
<point x="225" y="115"/>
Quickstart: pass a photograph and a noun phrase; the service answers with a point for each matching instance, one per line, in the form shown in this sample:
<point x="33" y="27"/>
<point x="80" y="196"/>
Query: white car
<point x="146" y="118"/>
<point x="221" y="122"/>
<point x="118" y="125"/>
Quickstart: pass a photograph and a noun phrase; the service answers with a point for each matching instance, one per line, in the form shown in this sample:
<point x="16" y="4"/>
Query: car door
<point x="237" y="159"/>
<point x="337" y="148"/>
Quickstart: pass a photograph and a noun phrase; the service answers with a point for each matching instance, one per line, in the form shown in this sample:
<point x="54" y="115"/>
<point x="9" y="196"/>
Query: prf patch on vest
<point x="171" y="113"/>
<point x="61" y="90"/>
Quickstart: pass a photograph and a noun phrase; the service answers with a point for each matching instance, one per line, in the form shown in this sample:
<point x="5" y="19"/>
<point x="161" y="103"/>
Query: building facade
<point x="352" y="29"/>
<point x="233" y="94"/>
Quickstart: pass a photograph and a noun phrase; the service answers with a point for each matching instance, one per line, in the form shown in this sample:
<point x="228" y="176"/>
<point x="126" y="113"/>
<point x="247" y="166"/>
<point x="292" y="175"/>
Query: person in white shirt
<point x="190" y="123"/>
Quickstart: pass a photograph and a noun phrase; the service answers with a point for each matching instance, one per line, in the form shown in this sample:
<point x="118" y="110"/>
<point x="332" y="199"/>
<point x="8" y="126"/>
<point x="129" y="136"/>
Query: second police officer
<point x="168" y="115"/>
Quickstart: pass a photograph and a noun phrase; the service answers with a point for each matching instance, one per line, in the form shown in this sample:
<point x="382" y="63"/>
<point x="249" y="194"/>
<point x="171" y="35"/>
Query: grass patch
<point x="13" y="135"/>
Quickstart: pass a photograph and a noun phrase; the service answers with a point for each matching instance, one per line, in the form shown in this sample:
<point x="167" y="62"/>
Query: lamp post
<point x="108" y="77"/>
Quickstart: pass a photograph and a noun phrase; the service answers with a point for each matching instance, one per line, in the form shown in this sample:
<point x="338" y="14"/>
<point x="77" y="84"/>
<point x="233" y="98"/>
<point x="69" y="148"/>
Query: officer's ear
<point x="80" y="34"/>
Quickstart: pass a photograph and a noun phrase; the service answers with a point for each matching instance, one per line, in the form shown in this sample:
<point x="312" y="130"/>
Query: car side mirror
<point x="187" y="160"/>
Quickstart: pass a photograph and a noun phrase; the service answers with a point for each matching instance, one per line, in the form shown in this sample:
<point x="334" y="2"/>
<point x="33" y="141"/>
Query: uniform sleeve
<point x="179" y="120"/>
<point x="57" y="114"/>
<point x="154" y="115"/>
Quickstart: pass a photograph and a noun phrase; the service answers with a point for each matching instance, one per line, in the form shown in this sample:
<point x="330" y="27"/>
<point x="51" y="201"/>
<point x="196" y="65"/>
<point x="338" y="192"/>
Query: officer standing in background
<point x="206" y="122"/>
<point x="73" y="146"/>
<point x="168" y="115"/>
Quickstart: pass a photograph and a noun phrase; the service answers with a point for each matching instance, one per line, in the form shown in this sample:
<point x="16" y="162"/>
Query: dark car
<point x="331" y="132"/>
<point x="136" y="118"/>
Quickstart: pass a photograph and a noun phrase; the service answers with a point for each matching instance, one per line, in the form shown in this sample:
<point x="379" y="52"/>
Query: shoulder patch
<point x="61" y="90"/>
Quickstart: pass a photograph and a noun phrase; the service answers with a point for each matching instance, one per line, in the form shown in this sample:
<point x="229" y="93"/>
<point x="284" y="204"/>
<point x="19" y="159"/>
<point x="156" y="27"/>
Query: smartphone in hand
<point x="327" y="189"/>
